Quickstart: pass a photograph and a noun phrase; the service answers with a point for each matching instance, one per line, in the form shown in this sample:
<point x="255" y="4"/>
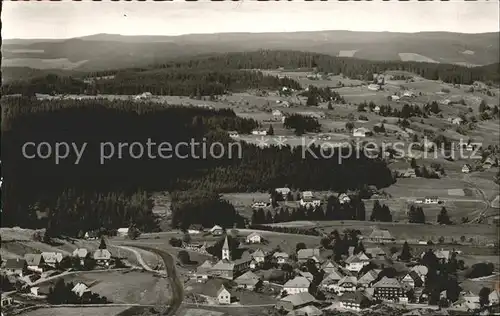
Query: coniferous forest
<point x="112" y="193"/>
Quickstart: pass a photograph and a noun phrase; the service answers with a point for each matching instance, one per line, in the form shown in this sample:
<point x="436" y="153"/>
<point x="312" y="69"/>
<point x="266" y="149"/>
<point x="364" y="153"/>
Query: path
<point x="138" y="257"/>
<point x="467" y="179"/>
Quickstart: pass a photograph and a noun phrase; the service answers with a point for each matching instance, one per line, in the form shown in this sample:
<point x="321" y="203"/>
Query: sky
<point x="66" y="19"/>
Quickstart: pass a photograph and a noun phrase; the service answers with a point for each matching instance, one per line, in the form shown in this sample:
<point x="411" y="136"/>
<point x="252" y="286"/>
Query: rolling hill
<point x="110" y="51"/>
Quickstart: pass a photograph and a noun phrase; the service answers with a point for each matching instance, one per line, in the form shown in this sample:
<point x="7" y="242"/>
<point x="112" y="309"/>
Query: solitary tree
<point x="270" y="131"/>
<point x="405" y="252"/>
<point x="443" y="217"/>
<point x="103" y="244"/>
<point x="484" y="296"/>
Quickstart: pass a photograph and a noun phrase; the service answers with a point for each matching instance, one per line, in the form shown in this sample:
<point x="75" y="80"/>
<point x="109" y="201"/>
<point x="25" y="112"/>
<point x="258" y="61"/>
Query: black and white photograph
<point x="250" y="158"/>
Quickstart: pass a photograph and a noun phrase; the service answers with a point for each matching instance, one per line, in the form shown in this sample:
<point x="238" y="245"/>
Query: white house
<point x="356" y="262"/>
<point x="431" y="200"/>
<point x="234" y="134"/>
<point x="457" y="121"/>
<point x="347" y="284"/>
<point x="297" y="285"/>
<point x="216" y="230"/>
<point x="331" y="281"/>
<point x="281" y="257"/>
<point x="283" y="191"/>
<point x="361" y="132"/>
<point x="102" y="256"/>
<point x="223" y="296"/>
<point x="395" y="97"/>
<point x="413" y="279"/>
<point x="52" y="258"/>
<point x="376" y="109"/>
<point x="355" y="301"/>
<point x="122" y="232"/>
<point x="277" y="115"/>
<point x="35" y="262"/>
<point x="260" y="132"/>
<point x="254" y="238"/>
<point x="466" y="168"/>
<point x="80" y="288"/>
<point x="373" y="87"/>
<point x="307" y="203"/>
<point x="344" y="198"/>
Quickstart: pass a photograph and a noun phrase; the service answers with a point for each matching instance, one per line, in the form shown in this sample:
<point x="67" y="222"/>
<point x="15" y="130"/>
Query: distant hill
<point x="111" y="51"/>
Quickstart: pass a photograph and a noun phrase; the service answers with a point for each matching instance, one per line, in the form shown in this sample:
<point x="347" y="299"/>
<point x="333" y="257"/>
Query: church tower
<point x="226" y="254"/>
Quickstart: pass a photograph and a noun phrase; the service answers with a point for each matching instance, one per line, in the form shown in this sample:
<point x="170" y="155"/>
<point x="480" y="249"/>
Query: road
<point x="138" y="257"/>
<point x="467" y="179"/>
<point x="175" y="282"/>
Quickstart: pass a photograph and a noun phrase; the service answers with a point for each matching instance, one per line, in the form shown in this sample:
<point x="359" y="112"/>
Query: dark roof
<point x="15" y="263"/>
<point x="354" y="297"/>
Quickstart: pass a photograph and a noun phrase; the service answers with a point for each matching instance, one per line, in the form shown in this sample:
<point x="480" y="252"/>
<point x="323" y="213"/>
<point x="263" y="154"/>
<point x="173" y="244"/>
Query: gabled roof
<point x="360" y="257"/>
<point x="33" y="259"/>
<point x="308" y="253"/>
<point x="386" y="282"/>
<point x="348" y="279"/>
<point x="374" y="252"/>
<point x="298" y="281"/>
<point x="415" y="277"/>
<point x="280" y="254"/>
<point x="80" y="288"/>
<point x="223" y="265"/>
<point x="258" y="253"/>
<point x="309" y="310"/>
<point x="216" y="227"/>
<point x="207" y="265"/>
<point x="248" y="275"/>
<point x="381" y="233"/>
<point x="226" y="243"/>
<point x="299" y="299"/>
<point x="222" y="289"/>
<point x="80" y="252"/>
<point x="334" y="276"/>
<point x="102" y="254"/>
<point x="15" y="263"/>
<point x="307" y="275"/>
<point x="354" y="297"/>
<point x="368" y="277"/>
<point x="52" y="257"/>
<point x="254" y="234"/>
<point x="420" y="269"/>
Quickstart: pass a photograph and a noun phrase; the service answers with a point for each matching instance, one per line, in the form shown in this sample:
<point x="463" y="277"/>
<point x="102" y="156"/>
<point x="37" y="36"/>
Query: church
<point x="226" y="267"/>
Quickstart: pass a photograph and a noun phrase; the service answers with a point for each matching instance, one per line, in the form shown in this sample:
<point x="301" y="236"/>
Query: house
<point x="195" y="229"/>
<point x="122" y="232"/>
<point x="367" y="279"/>
<point x="375" y="253"/>
<point x="413" y="280"/>
<point x="488" y="163"/>
<point x="344" y="198"/>
<point x="331" y="280"/>
<point x="80" y="288"/>
<point x="307" y="195"/>
<point x="35" y="290"/>
<point x="307" y="275"/>
<point x="254" y="238"/>
<point x="5" y="301"/>
<point x="409" y="94"/>
<point x="296" y="285"/>
<point x="457" y="121"/>
<point x="356" y="262"/>
<point x="355" y="301"/>
<point x="388" y="289"/>
<point x="376" y="109"/>
<point x="431" y="200"/>
<point x="421" y="270"/>
<point x="91" y="235"/>
<point x="102" y="256"/>
<point x="303" y="255"/>
<point x="374" y="87"/>
<point x="216" y="230"/>
<point x="361" y="132"/>
<point x="419" y="201"/>
<point x="259" y="256"/>
<point x="261" y="132"/>
<point x="223" y="296"/>
<point x="258" y="205"/>
<point x="395" y="98"/>
<point x="80" y="253"/>
<point x="466" y="168"/>
<point x="35" y="262"/>
<point x="329" y="267"/>
<point x="277" y="115"/>
<point x="234" y="134"/>
<point x="52" y="258"/>
<point x="381" y="236"/>
<point x="248" y="281"/>
<point x="309" y="202"/>
<point x="347" y="284"/>
<point x="295" y="301"/>
<point x="494" y="297"/>
<point x="280" y="257"/>
<point x="283" y="191"/>
<point x="203" y="271"/>
<point x="16" y="266"/>
<point x="226" y="267"/>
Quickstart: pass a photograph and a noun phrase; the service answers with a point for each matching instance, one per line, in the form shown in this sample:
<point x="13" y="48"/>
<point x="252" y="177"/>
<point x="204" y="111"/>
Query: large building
<point x="297" y="285"/>
<point x="388" y="289"/>
<point x="381" y="236"/>
<point x="226" y="267"/>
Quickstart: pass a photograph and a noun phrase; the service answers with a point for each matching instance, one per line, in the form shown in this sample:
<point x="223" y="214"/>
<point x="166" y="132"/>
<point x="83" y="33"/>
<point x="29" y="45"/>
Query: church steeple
<point x="226" y="254"/>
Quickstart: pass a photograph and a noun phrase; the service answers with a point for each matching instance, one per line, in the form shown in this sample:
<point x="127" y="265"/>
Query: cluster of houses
<point x="488" y="163"/>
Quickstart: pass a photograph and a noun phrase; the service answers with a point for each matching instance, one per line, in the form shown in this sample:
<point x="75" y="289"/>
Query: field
<point x="415" y="57"/>
<point x="76" y="311"/>
<point x="132" y="287"/>
<point x="37" y="63"/>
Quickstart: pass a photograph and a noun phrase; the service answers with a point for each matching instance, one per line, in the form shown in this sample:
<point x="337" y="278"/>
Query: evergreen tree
<point x="270" y="131"/>
<point x="405" y="252"/>
<point x="443" y="217"/>
<point x="102" y="245"/>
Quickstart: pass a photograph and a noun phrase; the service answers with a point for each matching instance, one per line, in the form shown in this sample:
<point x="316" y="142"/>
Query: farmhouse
<point x="331" y="280"/>
<point x="277" y="115"/>
<point x="304" y="255"/>
<point x="361" y="132"/>
<point x="457" y="121"/>
<point x="6" y="301"/>
<point x="374" y="87"/>
<point x="431" y="200"/>
<point x="295" y="301"/>
<point x="254" y="238"/>
<point x="203" y="271"/>
<point x="296" y="285"/>
<point x="102" y="256"/>
<point x="329" y="267"/>
<point x="412" y="279"/>
<point x="283" y="191"/>
<point x="421" y="270"/>
<point x="91" y="235"/>
<point x="347" y="284"/>
<point x="52" y="258"/>
<point x="309" y="310"/>
<point x="307" y="275"/>
<point x="309" y="202"/>
<point x="234" y="134"/>
<point x="16" y="266"/>
<point x="223" y="296"/>
<point x="227" y="268"/>
<point x="248" y="280"/>
<point x="35" y="262"/>
<point x="356" y="262"/>
<point x="388" y="289"/>
<point x="367" y="279"/>
<point x="409" y="94"/>
<point x="259" y="256"/>
<point x="375" y="253"/>
<point x="395" y="98"/>
<point x="258" y="205"/>
<point x="122" y="232"/>
<point x="355" y="301"/>
<point x="466" y="168"/>
<point x="80" y="253"/>
<point x="381" y="236"/>
<point x="376" y="109"/>
<point x="280" y="257"/>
